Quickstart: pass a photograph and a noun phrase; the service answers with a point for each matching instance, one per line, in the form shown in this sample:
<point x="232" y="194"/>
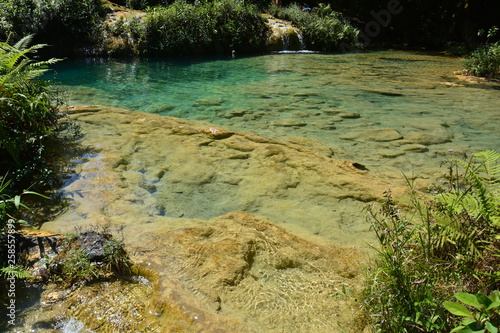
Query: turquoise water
<point x="326" y="98"/>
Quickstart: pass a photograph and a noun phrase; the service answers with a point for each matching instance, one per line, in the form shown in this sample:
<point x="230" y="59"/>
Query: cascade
<point x="284" y="36"/>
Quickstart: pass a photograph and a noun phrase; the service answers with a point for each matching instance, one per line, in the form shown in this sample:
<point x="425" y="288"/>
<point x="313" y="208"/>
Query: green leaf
<point x="457" y="329"/>
<point x="468" y="321"/>
<point x="484" y="300"/>
<point x="493" y="305"/>
<point x="457" y="309"/>
<point x="489" y="326"/>
<point x="469" y="300"/>
<point x="495" y="295"/>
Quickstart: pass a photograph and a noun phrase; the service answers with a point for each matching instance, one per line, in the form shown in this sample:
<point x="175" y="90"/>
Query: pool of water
<point x="332" y="98"/>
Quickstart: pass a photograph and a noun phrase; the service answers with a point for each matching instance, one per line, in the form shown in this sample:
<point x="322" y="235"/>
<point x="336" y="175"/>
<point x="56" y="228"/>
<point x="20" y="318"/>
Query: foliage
<point x="71" y="20"/>
<point x="439" y="245"/>
<point x="9" y="204"/>
<point x="485" y="60"/>
<point x="30" y="120"/>
<point x="485" y="316"/>
<point x="323" y="29"/>
<point x="16" y="271"/>
<point x="202" y="27"/>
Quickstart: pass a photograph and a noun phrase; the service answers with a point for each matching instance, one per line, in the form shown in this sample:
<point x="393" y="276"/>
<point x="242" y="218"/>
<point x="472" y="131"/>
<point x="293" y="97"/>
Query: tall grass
<point x="436" y="246"/>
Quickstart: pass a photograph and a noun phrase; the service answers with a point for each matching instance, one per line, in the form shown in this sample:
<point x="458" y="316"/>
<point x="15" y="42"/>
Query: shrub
<point x="323" y="29"/>
<point x="485" y="61"/>
<point x="442" y="244"/>
<point x="70" y="20"/>
<point x="205" y="27"/>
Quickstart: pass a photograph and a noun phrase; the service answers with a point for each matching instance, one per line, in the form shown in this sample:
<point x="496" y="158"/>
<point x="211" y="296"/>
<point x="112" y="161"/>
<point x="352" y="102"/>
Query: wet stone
<point x="342" y="114"/>
<point x="416" y="148"/>
<point x="94" y="244"/>
<point x="290" y="123"/>
<point x="208" y="102"/>
<point x="234" y="113"/>
<point x="390" y="153"/>
<point x="381" y="135"/>
<point x="427" y="138"/>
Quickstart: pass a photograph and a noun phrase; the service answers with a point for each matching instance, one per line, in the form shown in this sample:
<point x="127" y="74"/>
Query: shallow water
<point x="300" y="95"/>
<point x="332" y="100"/>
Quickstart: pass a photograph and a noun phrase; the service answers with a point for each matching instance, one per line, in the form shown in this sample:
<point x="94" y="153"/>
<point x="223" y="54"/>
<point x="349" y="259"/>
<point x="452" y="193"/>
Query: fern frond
<point x="16" y="271"/>
<point x="23" y="43"/>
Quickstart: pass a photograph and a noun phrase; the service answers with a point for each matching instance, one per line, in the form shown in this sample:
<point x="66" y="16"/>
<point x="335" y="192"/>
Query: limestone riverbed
<point x="236" y="232"/>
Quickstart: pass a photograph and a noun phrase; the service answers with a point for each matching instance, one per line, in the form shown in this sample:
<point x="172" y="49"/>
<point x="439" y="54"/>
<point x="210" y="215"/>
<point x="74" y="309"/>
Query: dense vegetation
<point x="485" y="60"/>
<point x="67" y="25"/>
<point x="323" y="29"/>
<point x="207" y="27"/>
<point x="427" y="23"/>
<point x="446" y="243"/>
<point x="30" y="123"/>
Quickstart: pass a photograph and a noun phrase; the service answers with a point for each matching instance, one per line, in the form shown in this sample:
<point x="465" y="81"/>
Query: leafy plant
<point x="433" y="246"/>
<point x="485" y="60"/>
<point x="79" y="18"/>
<point x="30" y="119"/>
<point x="18" y="272"/>
<point x="484" y="318"/>
<point x="199" y="28"/>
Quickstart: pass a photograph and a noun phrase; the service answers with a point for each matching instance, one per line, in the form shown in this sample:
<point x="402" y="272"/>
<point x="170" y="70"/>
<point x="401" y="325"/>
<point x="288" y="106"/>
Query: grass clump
<point x="89" y="256"/>
<point x="445" y="243"/>
<point x="323" y="29"/>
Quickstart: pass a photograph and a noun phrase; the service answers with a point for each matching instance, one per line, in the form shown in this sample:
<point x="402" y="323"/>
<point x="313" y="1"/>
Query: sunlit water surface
<point x="300" y="95"/>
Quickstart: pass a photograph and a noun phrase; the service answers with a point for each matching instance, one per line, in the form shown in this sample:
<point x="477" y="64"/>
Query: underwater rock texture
<point x="184" y="194"/>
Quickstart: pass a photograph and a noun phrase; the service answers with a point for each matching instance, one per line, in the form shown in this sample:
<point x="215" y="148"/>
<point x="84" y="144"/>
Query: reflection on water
<point x="300" y="95"/>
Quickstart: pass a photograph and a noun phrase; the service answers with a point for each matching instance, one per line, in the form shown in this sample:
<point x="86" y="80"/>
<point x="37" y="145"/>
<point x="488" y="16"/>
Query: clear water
<point x="298" y="95"/>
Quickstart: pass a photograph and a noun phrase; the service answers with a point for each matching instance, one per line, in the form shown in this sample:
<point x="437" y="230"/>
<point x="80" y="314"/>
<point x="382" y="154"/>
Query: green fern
<point x="16" y="271"/>
<point x="16" y="67"/>
<point x="479" y="194"/>
<point x="471" y="207"/>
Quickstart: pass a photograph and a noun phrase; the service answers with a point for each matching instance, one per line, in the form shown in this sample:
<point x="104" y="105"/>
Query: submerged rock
<point x="376" y="135"/>
<point x="238" y="272"/>
<point x="427" y="138"/>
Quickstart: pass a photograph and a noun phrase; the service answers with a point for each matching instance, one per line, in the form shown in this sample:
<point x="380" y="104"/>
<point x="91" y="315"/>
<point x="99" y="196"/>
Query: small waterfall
<point x="284" y="36"/>
<point x="301" y="40"/>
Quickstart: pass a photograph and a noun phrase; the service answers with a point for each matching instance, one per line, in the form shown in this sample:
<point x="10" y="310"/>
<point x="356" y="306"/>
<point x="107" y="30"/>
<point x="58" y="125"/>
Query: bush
<point x="442" y="245"/>
<point x="485" y="61"/>
<point x="323" y="29"/>
<point x="55" y="22"/>
<point x="209" y="27"/>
